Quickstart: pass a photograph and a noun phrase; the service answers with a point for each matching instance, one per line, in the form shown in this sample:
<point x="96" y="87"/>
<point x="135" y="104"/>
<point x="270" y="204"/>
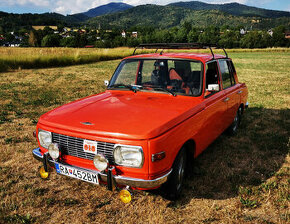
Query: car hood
<point x="123" y="114"/>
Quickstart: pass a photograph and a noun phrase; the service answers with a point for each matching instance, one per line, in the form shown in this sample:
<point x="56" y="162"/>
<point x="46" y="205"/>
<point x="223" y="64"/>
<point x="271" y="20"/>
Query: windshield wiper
<point x="120" y="85"/>
<point x="164" y="89"/>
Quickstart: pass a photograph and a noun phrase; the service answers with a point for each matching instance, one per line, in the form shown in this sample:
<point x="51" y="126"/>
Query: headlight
<point x="131" y="156"/>
<point x="53" y="150"/>
<point x="100" y="162"/>
<point x="44" y="138"/>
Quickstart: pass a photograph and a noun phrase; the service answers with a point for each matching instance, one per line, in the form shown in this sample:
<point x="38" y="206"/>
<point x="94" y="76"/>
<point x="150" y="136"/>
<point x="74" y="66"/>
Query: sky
<point x="75" y="6"/>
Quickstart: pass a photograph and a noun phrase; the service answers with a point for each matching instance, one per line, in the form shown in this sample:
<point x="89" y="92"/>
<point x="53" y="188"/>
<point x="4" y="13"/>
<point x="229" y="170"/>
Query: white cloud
<point x="41" y="3"/>
<point x="76" y="6"/>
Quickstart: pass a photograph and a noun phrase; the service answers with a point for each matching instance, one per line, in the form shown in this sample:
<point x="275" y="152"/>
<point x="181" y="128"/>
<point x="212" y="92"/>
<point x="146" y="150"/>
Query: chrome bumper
<point x="119" y="180"/>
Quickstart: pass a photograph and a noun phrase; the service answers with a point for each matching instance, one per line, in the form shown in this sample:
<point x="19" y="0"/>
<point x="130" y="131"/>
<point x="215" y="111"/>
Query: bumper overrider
<point x="107" y="177"/>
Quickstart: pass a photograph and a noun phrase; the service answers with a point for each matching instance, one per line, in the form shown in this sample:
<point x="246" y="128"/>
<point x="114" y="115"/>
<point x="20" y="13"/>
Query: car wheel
<point x="174" y="184"/>
<point x="233" y="129"/>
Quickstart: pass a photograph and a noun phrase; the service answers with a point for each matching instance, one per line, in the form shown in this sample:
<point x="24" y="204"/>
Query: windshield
<point x="169" y="75"/>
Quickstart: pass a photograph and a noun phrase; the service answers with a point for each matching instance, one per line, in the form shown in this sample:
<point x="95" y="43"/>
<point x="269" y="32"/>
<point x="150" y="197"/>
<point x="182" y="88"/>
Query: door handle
<point x="226" y="99"/>
<point x="240" y="91"/>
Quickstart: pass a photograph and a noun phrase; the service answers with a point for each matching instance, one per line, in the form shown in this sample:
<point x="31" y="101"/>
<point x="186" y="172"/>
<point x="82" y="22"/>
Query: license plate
<point x="77" y="173"/>
<point x="90" y="146"/>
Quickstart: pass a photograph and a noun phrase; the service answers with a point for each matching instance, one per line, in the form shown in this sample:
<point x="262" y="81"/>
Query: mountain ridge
<point x="233" y="8"/>
<point x="199" y="14"/>
<point x="105" y="9"/>
<point x="169" y="16"/>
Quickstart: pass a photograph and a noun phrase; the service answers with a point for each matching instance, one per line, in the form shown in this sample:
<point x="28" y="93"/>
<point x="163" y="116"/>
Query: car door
<point x="215" y="107"/>
<point x="231" y="90"/>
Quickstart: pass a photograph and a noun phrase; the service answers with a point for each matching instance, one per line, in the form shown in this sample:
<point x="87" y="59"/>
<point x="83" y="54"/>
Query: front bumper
<point x="119" y="180"/>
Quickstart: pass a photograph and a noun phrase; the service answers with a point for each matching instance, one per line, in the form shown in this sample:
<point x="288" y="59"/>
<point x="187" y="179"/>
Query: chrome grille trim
<point x="73" y="146"/>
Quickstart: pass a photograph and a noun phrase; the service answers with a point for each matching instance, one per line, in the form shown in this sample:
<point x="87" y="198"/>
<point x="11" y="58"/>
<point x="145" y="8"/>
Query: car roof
<point x="193" y="56"/>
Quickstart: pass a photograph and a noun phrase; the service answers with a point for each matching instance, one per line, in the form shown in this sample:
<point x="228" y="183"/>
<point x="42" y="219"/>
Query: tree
<point x="230" y="39"/>
<point x="51" y="40"/>
<point x="252" y="40"/>
<point x="181" y="36"/>
<point x="132" y="42"/>
<point x="186" y="26"/>
<point x="192" y="36"/>
<point x="9" y="37"/>
<point x="47" y="30"/>
<point x="60" y="28"/>
<point x="68" y="42"/>
<point x="210" y="35"/>
<point x="278" y="38"/>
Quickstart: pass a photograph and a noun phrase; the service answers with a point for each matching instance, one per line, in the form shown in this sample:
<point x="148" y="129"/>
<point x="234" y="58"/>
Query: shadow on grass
<point x="248" y="159"/>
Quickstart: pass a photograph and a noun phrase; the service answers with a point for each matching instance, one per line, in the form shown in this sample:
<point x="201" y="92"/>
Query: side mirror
<point x="213" y="87"/>
<point x="106" y="82"/>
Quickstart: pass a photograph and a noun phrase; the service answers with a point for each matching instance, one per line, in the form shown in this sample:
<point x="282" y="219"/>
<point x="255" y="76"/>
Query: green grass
<point x="238" y="179"/>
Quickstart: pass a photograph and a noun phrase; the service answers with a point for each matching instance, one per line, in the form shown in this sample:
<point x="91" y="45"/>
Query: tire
<point x="174" y="184"/>
<point x="233" y="128"/>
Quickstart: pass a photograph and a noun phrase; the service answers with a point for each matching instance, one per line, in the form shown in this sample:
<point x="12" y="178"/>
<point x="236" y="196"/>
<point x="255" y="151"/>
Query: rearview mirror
<point x="106" y="82"/>
<point x="213" y="87"/>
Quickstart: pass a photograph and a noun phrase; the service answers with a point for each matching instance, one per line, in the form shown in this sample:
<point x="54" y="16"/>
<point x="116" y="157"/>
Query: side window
<point x="185" y="76"/>
<point x="232" y="72"/>
<point x="225" y="74"/>
<point x="148" y="67"/>
<point x="211" y="76"/>
<point x="227" y="71"/>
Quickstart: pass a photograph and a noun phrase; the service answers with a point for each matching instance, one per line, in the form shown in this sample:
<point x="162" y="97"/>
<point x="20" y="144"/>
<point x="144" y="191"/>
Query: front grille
<point x="74" y="147"/>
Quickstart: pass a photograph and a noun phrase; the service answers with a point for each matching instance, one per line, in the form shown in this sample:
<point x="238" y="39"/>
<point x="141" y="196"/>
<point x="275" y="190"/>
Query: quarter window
<point x="227" y="74"/>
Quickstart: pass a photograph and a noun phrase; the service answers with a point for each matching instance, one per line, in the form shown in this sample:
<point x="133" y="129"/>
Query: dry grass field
<point x="25" y="58"/>
<point x="31" y="58"/>
<point x="241" y="179"/>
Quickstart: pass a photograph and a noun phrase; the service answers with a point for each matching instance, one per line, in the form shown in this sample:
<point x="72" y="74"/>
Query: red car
<point x="159" y="112"/>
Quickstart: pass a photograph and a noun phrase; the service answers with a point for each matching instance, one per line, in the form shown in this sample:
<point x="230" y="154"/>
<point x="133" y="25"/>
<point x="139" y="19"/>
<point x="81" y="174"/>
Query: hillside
<point x="169" y="16"/>
<point x="107" y="9"/>
<point x="11" y="21"/>
<point x="123" y="16"/>
<point x="233" y="9"/>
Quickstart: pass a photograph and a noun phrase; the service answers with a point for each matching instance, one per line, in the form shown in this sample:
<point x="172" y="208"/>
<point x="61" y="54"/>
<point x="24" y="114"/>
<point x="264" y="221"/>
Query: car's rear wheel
<point x="174" y="184"/>
<point x="233" y="129"/>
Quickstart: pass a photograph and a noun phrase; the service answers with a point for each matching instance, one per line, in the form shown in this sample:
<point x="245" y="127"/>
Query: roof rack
<point x="163" y="46"/>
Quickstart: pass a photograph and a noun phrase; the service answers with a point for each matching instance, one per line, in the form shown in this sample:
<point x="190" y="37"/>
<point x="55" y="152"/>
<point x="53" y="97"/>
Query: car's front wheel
<point x="174" y="184"/>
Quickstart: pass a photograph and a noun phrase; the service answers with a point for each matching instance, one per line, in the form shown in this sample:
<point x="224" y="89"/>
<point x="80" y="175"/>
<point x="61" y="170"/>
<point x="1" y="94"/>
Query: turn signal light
<point x="125" y="196"/>
<point x="158" y="156"/>
<point x="43" y="173"/>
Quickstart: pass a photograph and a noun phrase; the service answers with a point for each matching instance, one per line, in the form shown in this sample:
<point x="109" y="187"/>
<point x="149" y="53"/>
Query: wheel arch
<point x="190" y="146"/>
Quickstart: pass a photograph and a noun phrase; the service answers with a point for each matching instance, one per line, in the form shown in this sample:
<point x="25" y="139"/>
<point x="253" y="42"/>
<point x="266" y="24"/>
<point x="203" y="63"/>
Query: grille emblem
<point x="87" y="123"/>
